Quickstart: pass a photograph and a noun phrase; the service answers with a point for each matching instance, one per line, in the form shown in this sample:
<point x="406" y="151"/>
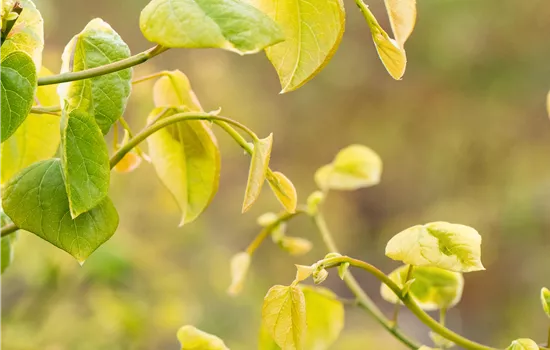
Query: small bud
<point x="278" y="233"/>
<point x="295" y="245"/>
<point x="239" y="267"/>
<point x="302" y="273"/>
<point x="319" y="276"/>
<point x="267" y="219"/>
<point x="313" y="202"/>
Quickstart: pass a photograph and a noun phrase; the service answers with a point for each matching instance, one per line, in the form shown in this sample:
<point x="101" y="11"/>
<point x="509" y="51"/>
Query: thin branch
<point x="54" y="110"/>
<point x="8" y="229"/>
<point x="102" y="70"/>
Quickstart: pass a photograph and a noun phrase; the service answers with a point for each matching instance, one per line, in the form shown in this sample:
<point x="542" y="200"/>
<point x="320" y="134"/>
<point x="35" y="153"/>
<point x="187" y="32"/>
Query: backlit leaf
<point x="239" y="268"/>
<point x="354" y="167"/>
<point x="227" y="24"/>
<point x="187" y="161"/>
<point x="174" y="89"/>
<point x="402" y="14"/>
<point x="18" y="83"/>
<point x="440" y="244"/>
<point x="85" y="160"/>
<point x="36" y="139"/>
<point x="258" y="169"/>
<point x="27" y="34"/>
<point x="312" y="29"/>
<point x="392" y="55"/>
<point x="284" y="316"/>
<point x="545" y="300"/>
<point x="104" y="96"/>
<point x="284" y="190"/>
<point x="36" y="200"/>
<point x="433" y="288"/>
<point x="523" y="344"/>
<point x="192" y="338"/>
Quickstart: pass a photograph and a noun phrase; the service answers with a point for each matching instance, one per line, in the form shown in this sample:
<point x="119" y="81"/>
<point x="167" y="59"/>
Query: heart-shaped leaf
<point x="440" y="244"/>
<point x="18" y="83"/>
<point x="36" y="139"/>
<point x="227" y="24"/>
<point x="192" y="338"/>
<point x="105" y="96"/>
<point x="36" y="200"/>
<point x="313" y="30"/>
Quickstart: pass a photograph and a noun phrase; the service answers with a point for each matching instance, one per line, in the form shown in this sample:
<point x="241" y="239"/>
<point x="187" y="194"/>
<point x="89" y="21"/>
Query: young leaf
<point x="402" y="14"/>
<point x="295" y="245"/>
<point x="545" y="300"/>
<point x="392" y="55"/>
<point x="227" y="24"/>
<point x="239" y="267"/>
<point x="36" y="200"/>
<point x="85" y="160"/>
<point x="36" y="139"/>
<point x="105" y="96"/>
<point x="324" y="317"/>
<point x="284" y="190"/>
<point x="258" y="169"/>
<point x="284" y="316"/>
<point x="187" y="161"/>
<point x="18" y="83"/>
<point x="313" y="30"/>
<point x="302" y="273"/>
<point x="27" y="34"/>
<point x="440" y="244"/>
<point x="192" y="338"/>
<point x="354" y="167"/>
<point x="433" y="288"/>
<point x="523" y="344"/>
<point x="7" y="243"/>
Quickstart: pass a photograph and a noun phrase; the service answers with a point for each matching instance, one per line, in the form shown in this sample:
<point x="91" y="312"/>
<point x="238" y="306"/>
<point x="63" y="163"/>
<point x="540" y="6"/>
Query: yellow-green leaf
<point x="295" y="245"/>
<point x="258" y="169"/>
<point x="545" y="300"/>
<point x="227" y="24"/>
<point x="402" y="14"/>
<point x="284" y="316"/>
<point x="354" y="167"/>
<point x="174" y="89"/>
<point x="312" y="29"/>
<point x="27" y="34"/>
<point x="36" y="139"/>
<point x="324" y="317"/>
<point x="523" y="344"/>
<point x="440" y="244"/>
<point x="433" y="288"/>
<point x="392" y="55"/>
<point x="239" y="268"/>
<point x="192" y="338"/>
<point x="284" y="190"/>
<point x="186" y="158"/>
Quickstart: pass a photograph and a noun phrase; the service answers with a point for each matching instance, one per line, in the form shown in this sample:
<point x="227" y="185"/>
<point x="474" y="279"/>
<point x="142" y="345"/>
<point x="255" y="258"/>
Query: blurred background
<point x="464" y="138"/>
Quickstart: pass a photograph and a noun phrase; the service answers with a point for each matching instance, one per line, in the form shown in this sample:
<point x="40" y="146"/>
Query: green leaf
<point x="284" y="316"/>
<point x="313" y="30"/>
<point x="440" y="341"/>
<point x="440" y="244"/>
<point x="433" y="288"/>
<point x="187" y="161"/>
<point x="284" y="190"/>
<point x="105" y="96"/>
<point x="392" y="55"/>
<point x="258" y="169"/>
<point x="192" y="338"/>
<point x="18" y="83"/>
<point x="227" y="24"/>
<point x="545" y="300"/>
<point x="36" y="200"/>
<point x="523" y="344"/>
<point x="27" y="34"/>
<point x="354" y="167"/>
<point x="85" y="160"/>
<point x="324" y="317"/>
<point x="239" y="268"/>
<point x="402" y="14"/>
<point x="36" y="139"/>
<point x="7" y="243"/>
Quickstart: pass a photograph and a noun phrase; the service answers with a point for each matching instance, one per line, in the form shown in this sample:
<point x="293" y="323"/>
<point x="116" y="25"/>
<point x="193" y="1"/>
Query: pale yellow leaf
<point x="258" y="169"/>
<point x="402" y="14"/>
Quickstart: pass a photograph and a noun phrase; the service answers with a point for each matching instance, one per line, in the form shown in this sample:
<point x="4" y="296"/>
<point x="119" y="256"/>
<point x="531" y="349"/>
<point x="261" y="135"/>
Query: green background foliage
<point x="464" y="138"/>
